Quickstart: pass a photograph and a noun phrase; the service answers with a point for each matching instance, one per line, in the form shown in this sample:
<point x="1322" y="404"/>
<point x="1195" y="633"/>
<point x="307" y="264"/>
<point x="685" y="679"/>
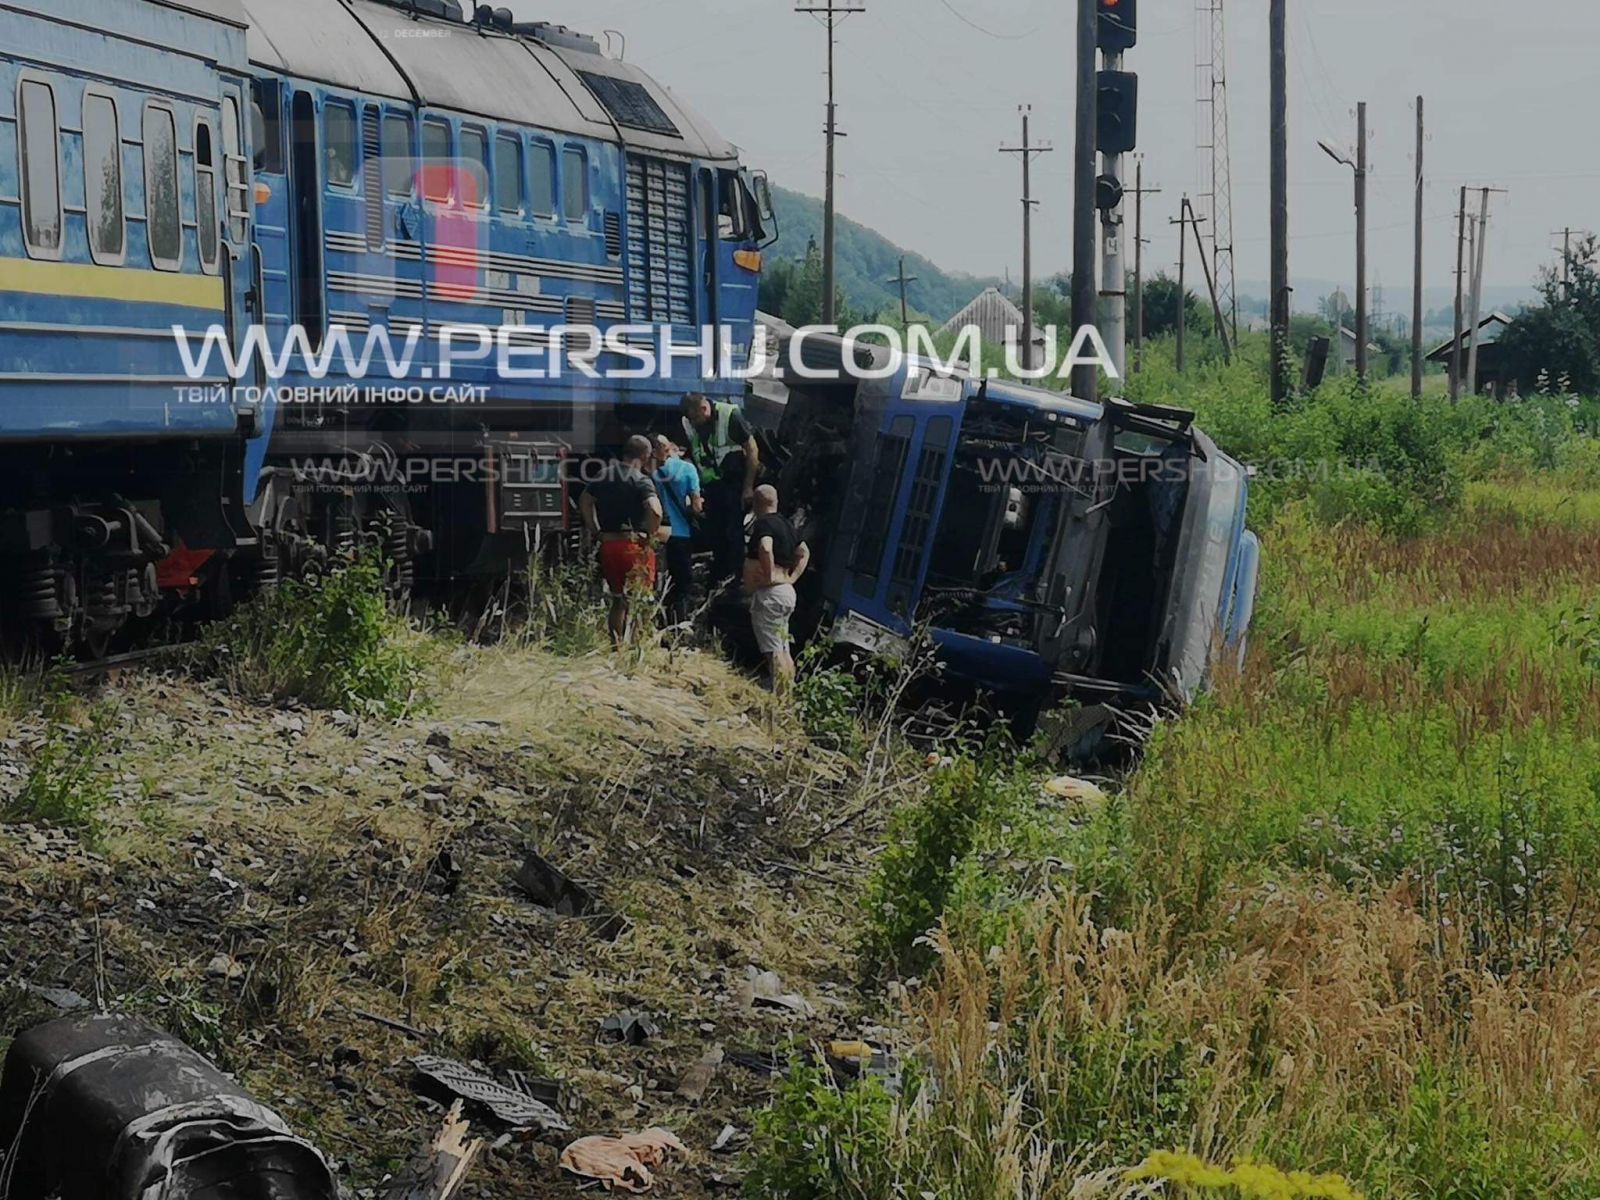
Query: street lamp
<point x="1359" y="167"/>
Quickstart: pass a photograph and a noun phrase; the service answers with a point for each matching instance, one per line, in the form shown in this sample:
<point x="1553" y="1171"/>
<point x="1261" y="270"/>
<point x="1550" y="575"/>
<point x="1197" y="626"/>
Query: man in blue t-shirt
<point x="679" y="485"/>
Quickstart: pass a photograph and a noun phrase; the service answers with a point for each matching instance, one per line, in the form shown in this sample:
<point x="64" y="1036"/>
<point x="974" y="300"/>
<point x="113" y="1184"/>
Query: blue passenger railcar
<point x="415" y="170"/>
<point x="123" y="212"/>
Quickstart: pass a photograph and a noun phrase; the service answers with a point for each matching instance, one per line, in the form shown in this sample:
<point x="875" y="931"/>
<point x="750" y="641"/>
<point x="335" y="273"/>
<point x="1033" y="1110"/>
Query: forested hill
<point x="867" y="259"/>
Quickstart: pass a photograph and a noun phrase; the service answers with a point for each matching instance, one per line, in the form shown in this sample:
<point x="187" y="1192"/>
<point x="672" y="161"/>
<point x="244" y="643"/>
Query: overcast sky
<point x="929" y="89"/>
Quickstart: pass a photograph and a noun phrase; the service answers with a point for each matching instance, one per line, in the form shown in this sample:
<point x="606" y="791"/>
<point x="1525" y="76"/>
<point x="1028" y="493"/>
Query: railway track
<point x="113" y="664"/>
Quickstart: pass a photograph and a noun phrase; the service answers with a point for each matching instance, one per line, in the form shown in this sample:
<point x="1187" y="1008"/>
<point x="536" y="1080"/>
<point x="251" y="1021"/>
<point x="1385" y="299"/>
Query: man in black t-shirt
<point x="775" y="560"/>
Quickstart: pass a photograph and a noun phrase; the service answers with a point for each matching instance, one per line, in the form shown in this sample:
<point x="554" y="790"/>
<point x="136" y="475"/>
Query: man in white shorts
<point x="774" y="561"/>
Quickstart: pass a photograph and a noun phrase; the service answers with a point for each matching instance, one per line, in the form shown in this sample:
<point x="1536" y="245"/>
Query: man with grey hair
<point x="774" y="562"/>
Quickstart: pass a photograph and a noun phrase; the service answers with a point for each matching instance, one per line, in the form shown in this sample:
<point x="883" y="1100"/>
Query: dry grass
<point x="301" y="847"/>
<point x="1281" y="1035"/>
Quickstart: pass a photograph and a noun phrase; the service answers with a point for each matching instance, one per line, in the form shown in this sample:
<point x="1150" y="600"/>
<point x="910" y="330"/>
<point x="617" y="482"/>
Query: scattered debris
<point x="444" y="873"/>
<point x="550" y="887"/>
<point x="849" y="1060"/>
<point x="546" y="1091"/>
<point x="692" y="1087"/>
<point x="60" y="998"/>
<point x="624" y="1162"/>
<point x="122" y="1101"/>
<point x="437" y="1171"/>
<point x="506" y="1105"/>
<point x="1065" y="787"/>
<point x="391" y="1023"/>
<point x="439" y="769"/>
<point x="766" y="988"/>
<point x="630" y="1028"/>
<point x="763" y="1062"/>
<point x="728" y="1140"/>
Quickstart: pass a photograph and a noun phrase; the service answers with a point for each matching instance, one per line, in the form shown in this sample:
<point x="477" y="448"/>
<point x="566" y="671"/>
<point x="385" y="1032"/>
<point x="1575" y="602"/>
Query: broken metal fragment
<point x="634" y="1029"/>
<point x="507" y="1105"/>
<point x="548" y="886"/>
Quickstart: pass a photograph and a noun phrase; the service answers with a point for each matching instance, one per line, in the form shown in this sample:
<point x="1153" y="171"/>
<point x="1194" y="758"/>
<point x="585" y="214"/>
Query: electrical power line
<point x="999" y="37"/>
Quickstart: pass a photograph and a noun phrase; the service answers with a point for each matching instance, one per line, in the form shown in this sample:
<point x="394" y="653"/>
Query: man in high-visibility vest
<point x="723" y="448"/>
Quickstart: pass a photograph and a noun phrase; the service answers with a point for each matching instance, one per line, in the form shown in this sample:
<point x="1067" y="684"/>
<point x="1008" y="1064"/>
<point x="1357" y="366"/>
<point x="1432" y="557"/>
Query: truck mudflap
<point x="106" y="1107"/>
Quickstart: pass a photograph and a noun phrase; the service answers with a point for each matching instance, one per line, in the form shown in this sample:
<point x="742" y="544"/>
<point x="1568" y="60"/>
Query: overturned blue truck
<point x="1059" y="554"/>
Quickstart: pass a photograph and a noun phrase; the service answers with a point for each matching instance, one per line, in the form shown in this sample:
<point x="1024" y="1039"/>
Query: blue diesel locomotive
<point x="211" y="209"/>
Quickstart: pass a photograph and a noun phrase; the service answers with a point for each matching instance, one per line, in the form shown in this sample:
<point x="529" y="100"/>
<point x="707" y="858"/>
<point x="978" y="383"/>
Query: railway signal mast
<point x="1215" y="161"/>
<point x="1117" y="108"/>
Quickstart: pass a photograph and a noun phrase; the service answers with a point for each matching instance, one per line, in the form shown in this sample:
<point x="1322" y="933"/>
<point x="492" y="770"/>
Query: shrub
<point x="818" y="1141"/>
<point x="331" y="642"/>
<point x="66" y="783"/>
<point x="929" y="841"/>
<point x="828" y="699"/>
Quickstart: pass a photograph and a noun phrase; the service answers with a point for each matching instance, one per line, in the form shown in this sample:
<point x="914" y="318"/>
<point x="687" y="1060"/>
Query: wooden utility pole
<point x="1184" y="217"/>
<point x="1416" y="274"/>
<point x="1216" y="306"/>
<point x="1085" y="265"/>
<point x="1477" y="289"/>
<point x="902" y="279"/>
<point x="1279" y="121"/>
<point x="1027" y="151"/>
<point x="1139" y="193"/>
<point x="1361" y="241"/>
<point x="831" y="14"/>
<point x="1461" y="249"/>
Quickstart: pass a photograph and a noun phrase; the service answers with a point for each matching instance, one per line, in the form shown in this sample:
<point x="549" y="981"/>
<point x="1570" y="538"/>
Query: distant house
<point x="1346" y="361"/>
<point x="1494" y="373"/>
<point x="998" y="320"/>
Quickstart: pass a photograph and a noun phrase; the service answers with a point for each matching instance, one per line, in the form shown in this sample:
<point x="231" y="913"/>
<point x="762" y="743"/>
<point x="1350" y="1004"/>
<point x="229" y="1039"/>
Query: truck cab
<point x="1053" y="548"/>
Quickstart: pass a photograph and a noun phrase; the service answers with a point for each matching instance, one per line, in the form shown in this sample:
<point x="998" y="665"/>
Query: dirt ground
<point x="272" y="879"/>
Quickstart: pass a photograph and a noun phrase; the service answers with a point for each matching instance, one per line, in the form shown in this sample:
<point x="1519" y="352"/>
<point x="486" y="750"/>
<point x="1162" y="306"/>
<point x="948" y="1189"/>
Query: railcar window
<point x="437" y="161"/>
<point x="575" y="183"/>
<point x="237" y="198"/>
<point x="41" y="168"/>
<point x="544" y="179"/>
<point x="339" y="136"/>
<point x="162" y="225"/>
<point x="266" y="127"/>
<point x="732" y="220"/>
<point x="397" y="172"/>
<point x="508" y="173"/>
<point x="102" y="179"/>
<point x="474" y="167"/>
<point x="205" y="196"/>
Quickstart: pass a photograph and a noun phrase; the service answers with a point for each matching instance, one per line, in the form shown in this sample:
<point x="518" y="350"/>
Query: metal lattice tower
<point x="1214" y="164"/>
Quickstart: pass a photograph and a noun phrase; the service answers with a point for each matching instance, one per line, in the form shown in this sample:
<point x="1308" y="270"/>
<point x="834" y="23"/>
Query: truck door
<point x="912" y="421"/>
<point x="1071" y="635"/>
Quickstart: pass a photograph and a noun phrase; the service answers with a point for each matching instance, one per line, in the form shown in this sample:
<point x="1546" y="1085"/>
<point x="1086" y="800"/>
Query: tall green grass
<point x="1336" y="935"/>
